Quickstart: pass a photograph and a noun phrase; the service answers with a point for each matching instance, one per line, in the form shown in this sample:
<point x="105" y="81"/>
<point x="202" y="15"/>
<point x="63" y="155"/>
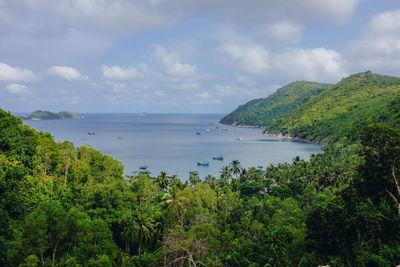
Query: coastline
<point x="296" y="138"/>
<point x="281" y="135"/>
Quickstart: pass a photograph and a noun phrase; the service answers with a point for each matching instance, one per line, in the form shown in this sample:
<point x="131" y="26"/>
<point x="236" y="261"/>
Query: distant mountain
<point x="264" y="111"/>
<point x="47" y="115"/>
<point x="336" y="113"/>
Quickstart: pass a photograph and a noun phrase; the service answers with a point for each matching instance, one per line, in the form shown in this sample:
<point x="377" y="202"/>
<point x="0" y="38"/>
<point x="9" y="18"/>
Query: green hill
<point x="264" y="111"/>
<point x="47" y="115"/>
<point x="344" y="109"/>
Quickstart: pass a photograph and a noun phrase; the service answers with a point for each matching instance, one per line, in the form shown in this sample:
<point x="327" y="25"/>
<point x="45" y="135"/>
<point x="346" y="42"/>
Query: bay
<point x="170" y="142"/>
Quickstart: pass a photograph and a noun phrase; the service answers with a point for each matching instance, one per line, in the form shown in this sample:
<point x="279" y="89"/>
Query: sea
<point x="175" y="142"/>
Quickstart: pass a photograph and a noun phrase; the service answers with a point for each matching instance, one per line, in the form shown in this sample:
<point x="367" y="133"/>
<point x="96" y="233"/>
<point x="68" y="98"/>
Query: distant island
<point x="47" y="115"/>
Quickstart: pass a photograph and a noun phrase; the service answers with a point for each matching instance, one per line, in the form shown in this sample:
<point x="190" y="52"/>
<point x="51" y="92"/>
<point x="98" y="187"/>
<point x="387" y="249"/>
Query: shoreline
<point x="280" y="135"/>
<point x="296" y="138"/>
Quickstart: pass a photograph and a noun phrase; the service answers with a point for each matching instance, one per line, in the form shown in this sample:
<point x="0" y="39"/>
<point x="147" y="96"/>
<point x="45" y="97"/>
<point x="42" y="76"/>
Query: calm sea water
<point x="169" y="141"/>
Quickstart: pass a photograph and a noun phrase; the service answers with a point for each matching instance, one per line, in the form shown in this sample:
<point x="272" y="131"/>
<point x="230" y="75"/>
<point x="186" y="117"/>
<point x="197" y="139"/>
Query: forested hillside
<point x="67" y="206"/>
<point x="337" y="113"/>
<point x="345" y="108"/>
<point x="264" y="111"/>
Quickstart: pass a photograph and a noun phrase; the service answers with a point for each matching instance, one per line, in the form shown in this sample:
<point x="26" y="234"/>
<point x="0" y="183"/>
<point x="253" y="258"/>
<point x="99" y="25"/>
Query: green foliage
<point x="341" y="111"/>
<point x="325" y="113"/>
<point x="264" y="111"/>
<point x="67" y="206"/>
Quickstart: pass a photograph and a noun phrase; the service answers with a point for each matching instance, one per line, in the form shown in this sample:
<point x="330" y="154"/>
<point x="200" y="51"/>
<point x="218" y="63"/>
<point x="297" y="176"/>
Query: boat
<point x="198" y="133"/>
<point x="218" y="157"/>
<point x="143" y="168"/>
<point x="91" y="133"/>
<point x="119" y="137"/>
<point x="259" y="167"/>
<point x="194" y="172"/>
<point x="203" y="163"/>
<point x="143" y="114"/>
<point x="208" y="130"/>
<point x="239" y="139"/>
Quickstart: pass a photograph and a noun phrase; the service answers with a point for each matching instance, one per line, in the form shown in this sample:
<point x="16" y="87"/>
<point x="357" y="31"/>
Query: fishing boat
<point x="203" y="163"/>
<point x="91" y="133"/>
<point x="198" y="133"/>
<point x="239" y="139"/>
<point x="143" y="168"/>
<point x="259" y="167"/>
<point x="218" y="157"/>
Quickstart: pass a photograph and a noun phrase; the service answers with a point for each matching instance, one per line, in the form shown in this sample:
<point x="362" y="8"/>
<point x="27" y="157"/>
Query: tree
<point x="194" y="178"/>
<point x="235" y="167"/>
<point x="162" y="180"/>
<point x="68" y="157"/>
<point x="45" y="229"/>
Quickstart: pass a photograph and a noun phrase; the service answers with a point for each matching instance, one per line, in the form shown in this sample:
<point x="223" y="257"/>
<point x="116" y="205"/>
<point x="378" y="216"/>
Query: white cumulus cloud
<point x="12" y="74"/>
<point x="317" y="64"/>
<point x="285" y="64"/>
<point x="67" y="73"/>
<point x="17" y="89"/>
<point x="173" y="64"/>
<point x="120" y="73"/>
<point x="251" y="58"/>
<point x="378" y="49"/>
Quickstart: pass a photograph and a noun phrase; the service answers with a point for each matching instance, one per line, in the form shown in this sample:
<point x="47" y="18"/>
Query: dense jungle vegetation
<point x="338" y="112"/>
<point x="264" y="111"/>
<point x="67" y="206"/>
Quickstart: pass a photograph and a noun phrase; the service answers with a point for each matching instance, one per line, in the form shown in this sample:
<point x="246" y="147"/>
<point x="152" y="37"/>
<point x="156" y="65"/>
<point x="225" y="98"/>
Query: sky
<point x="184" y="56"/>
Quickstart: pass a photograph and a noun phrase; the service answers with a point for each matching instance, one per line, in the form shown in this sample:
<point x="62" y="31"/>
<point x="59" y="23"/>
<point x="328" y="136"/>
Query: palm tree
<point x="210" y="180"/>
<point x="193" y="178"/>
<point x="226" y="173"/>
<point x="176" y="203"/>
<point x="174" y="182"/>
<point x="163" y="180"/>
<point x="144" y="228"/>
<point x="235" y="167"/>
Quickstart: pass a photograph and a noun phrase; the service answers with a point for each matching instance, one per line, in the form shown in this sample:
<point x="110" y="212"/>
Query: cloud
<point x="238" y="92"/>
<point x="251" y="58"/>
<point x="378" y="49"/>
<point x="172" y="63"/>
<point x="17" y="89"/>
<point x="11" y="74"/>
<point x="282" y="65"/>
<point x="282" y="32"/>
<point x="120" y="73"/>
<point x="159" y="93"/>
<point x="317" y="64"/>
<point x="203" y="95"/>
<point x="125" y="17"/>
<point x="67" y="73"/>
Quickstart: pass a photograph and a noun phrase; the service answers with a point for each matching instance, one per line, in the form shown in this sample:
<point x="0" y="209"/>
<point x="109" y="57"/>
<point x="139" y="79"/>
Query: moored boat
<point x="91" y="133"/>
<point x="218" y="157"/>
<point x="203" y="163"/>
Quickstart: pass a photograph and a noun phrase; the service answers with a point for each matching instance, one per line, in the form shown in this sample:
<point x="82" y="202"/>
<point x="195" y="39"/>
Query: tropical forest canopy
<point x="62" y="205"/>
<point x="336" y="113"/>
